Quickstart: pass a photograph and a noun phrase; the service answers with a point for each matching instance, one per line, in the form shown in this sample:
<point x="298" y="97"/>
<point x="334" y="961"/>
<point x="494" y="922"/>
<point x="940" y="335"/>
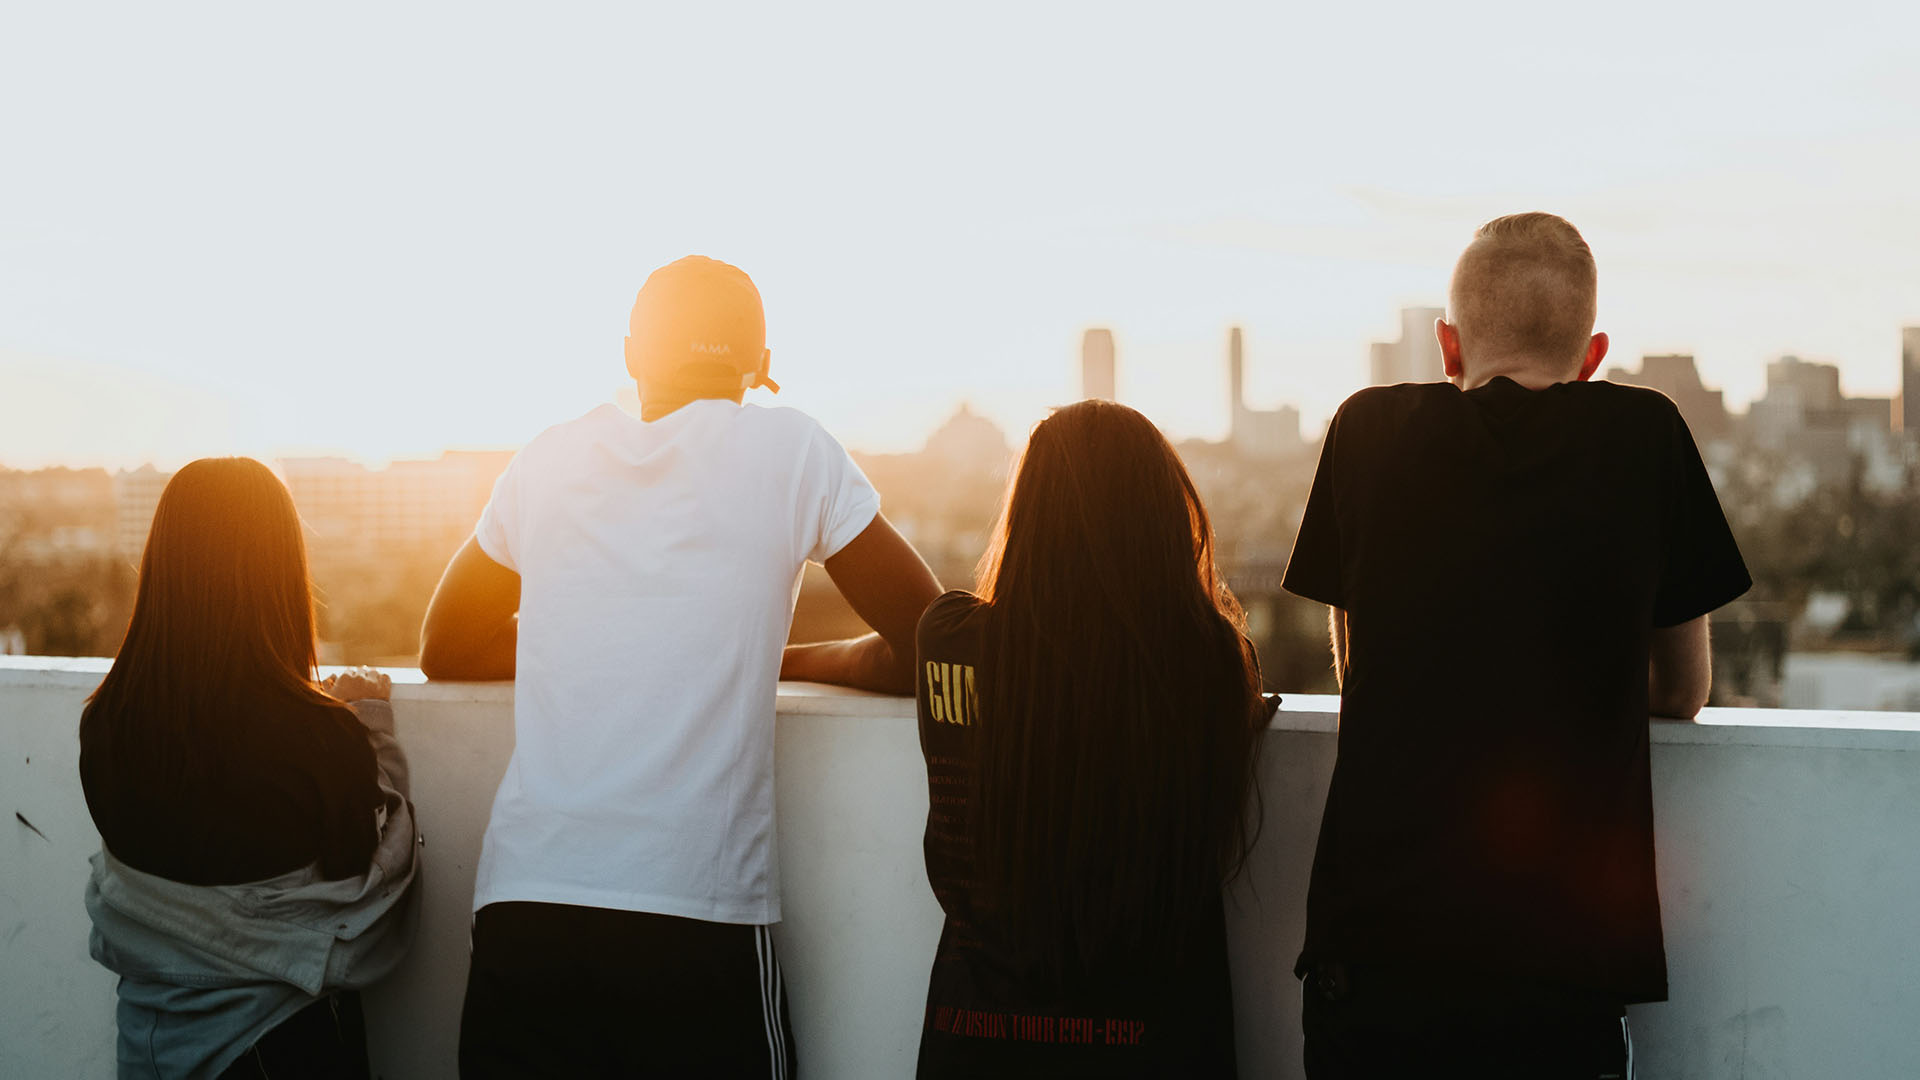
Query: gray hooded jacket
<point x="205" y="971"/>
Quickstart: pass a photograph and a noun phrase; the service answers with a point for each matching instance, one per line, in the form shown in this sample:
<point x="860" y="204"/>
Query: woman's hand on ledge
<point x="358" y="685"/>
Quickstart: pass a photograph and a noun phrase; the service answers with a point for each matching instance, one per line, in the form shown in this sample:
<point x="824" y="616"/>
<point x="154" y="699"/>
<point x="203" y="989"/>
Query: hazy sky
<point x="386" y="229"/>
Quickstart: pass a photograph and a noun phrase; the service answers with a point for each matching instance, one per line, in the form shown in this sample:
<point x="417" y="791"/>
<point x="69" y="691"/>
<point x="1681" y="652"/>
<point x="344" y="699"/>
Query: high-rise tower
<point x="1256" y="433"/>
<point x="1096" y="364"/>
<point x="1416" y="356"/>
<point x="1906" y="411"/>
<point x="1236" y="377"/>
<point x="1420" y="346"/>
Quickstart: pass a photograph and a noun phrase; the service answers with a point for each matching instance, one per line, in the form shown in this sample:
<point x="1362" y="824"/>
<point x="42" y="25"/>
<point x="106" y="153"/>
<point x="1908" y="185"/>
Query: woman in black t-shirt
<point x="211" y="757"/>
<point x="1089" y="722"/>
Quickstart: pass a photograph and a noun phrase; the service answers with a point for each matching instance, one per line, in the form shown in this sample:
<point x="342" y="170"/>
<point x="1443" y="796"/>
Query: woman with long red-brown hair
<point x="257" y="843"/>
<point x="1089" y="721"/>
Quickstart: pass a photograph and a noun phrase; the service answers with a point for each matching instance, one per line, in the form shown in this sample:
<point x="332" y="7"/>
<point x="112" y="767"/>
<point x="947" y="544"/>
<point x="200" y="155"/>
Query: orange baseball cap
<point x="698" y="327"/>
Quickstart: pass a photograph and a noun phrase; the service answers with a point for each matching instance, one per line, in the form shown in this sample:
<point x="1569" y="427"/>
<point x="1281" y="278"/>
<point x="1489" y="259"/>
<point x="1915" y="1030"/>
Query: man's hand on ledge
<point x="864" y="663"/>
<point x="473" y="623"/>
<point x="889" y="586"/>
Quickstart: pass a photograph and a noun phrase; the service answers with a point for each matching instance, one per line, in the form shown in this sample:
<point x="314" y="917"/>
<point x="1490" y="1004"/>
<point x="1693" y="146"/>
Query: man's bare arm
<point x="889" y="586"/>
<point x="1681" y="672"/>
<point x="473" y="622"/>
<point x="1337" y="634"/>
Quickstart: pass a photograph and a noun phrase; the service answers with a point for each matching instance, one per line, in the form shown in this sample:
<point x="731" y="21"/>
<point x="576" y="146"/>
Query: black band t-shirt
<point x="1503" y="556"/>
<point x="298" y="784"/>
<point x="1142" y="1018"/>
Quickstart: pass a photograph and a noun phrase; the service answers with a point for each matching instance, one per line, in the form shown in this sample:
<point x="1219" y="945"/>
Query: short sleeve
<point x="933" y="635"/>
<point x="498" y="531"/>
<point x="1702" y="569"/>
<point x="839" y="501"/>
<point x="1313" y="570"/>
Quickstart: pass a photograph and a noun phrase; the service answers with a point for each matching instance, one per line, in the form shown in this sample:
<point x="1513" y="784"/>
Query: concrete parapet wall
<point x="1789" y="874"/>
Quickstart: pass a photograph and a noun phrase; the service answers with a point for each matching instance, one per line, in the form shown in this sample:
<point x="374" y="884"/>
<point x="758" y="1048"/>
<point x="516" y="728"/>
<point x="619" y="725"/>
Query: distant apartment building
<point x="1257" y="433"/>
<point x="1906" y="406"/>
<point x="62" y="491"/>
<point x="136" y="493"/>
<point x="1676" y="375"/>
<point x="1413" y="358"/>
<point x="1097" y="364"/>
<point x="1805" y="417"/>
<point x="56" y="514"/>
<point x="1802" y="400"/>
<point x="347" y="505"/>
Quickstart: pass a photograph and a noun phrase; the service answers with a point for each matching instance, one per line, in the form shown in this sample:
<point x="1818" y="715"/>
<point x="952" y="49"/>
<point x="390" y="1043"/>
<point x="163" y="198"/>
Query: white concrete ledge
<point x="1836" y="729"/>
<point x="1788" y="873"/>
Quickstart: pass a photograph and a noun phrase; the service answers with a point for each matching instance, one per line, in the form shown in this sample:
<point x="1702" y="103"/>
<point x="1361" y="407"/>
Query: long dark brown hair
<point x="222" y="628"/>
<point x="1120" y="700"/>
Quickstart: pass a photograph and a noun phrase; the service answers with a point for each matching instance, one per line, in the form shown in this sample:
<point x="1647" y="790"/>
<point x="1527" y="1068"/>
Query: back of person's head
<point x="698" y="330"/>
<point x="222" y="627"/>
<point x="1524" y="295"/>
<point x="1120" y="699"/>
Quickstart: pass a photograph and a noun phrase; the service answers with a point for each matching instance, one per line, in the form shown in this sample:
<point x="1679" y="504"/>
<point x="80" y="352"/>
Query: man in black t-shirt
<point x="1519" y="565"/>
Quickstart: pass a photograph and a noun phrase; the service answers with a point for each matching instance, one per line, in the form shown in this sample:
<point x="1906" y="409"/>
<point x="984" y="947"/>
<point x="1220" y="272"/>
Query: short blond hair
<point x="1525" y="288"/>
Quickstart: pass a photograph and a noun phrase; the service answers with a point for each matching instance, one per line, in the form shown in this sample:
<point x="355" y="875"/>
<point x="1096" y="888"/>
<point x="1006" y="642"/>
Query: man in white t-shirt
<point x="637" y="578"/>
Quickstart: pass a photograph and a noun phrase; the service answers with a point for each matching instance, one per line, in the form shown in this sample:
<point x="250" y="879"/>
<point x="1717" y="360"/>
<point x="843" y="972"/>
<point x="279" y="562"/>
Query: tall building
<point x="1096" y="364"/>
<point x="1413" y="358"/>
<point x="1419" y="344"/>
<point x="1802" y="400"/>
<point x="1257" y="433"/>
<point x="1676" y="375"/>
<point x="1236" y="375"/>
<point x="346" y="504"/>
<point x="1383" y="363"/>
<point x="136" y="494"/>
<point x="1906" y="407"/>
<point x="1805" y="417"/>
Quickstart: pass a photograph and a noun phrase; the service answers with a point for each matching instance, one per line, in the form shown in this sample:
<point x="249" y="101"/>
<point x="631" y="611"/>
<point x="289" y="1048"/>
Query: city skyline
<point x="1386" y="361"/>
<point x="1807" y="451"/>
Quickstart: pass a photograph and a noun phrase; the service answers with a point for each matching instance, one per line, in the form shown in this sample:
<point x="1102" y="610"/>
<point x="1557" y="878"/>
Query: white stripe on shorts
<point x="779" y="1003"/>
<point x="766" y="1008"/>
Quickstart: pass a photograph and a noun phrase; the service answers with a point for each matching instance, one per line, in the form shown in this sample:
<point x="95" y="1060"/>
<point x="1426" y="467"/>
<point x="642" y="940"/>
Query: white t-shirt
<point x="659" y="565"/>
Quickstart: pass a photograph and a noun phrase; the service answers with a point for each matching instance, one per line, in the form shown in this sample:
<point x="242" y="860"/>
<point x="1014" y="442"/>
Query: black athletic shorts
<point x="557" y="990"/>
<point x="1368" y="1024"/>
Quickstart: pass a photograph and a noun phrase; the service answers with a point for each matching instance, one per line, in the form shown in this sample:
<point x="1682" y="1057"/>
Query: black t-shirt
<point x="1503" y="556"/>
<point x="297" y="784"/>
<point x="1151" y="1019"/>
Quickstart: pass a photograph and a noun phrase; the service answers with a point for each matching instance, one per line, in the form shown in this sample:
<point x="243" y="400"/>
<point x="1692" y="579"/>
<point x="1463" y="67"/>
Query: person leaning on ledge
<point x="258" y="853"/>
<point x="636" y="578"/>
<point x="1519" y="565"/>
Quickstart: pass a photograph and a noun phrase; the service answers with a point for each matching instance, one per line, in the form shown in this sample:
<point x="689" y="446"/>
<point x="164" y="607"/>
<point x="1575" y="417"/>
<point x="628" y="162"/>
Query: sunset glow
<point x="385" y="236"/>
